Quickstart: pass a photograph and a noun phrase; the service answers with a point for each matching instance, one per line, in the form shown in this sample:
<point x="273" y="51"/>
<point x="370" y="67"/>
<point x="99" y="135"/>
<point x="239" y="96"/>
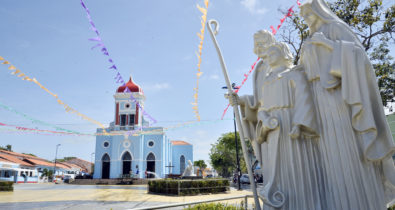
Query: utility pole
<point x="236" y="142"/>
<point x="56" y="154"/>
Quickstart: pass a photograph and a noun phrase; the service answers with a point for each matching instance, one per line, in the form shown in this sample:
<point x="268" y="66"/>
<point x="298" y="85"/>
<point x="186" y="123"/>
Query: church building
<point x="132" y="146"/>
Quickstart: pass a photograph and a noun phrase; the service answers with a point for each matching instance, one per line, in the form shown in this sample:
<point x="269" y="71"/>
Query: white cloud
<point x="156" y="87"/>
<point x="254" y="6"/>
<point x="214" y="77"/>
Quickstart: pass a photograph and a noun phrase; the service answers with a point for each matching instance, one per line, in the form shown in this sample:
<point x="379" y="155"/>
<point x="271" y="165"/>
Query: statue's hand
<point x="233" y="98"/>
<point x="319" y="38"/>
<point x="295" y="132"/>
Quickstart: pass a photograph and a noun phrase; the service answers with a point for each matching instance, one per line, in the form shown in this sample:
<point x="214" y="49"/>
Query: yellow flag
<point x="6" y="62"/>
<point x="21" y="75"/>
<point x="59" y="101"/>
<point x="1" y="58"/>
<point x="12" y="67"/>
<point x="199" y="74"/>
<point x="27" y="78"/>
<point x="201" y="9"/>
<point x="206" y="3"/>
<point x="16" y="72"/>
<point x="199" y="35"/>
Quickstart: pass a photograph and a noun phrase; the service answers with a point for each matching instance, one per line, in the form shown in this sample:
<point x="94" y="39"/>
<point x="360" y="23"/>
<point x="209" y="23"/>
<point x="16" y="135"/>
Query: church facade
<point x="133" y="148"/>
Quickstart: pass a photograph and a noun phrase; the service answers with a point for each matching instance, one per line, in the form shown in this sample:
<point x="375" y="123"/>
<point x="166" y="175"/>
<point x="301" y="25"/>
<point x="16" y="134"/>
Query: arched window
<point x="126" y="163"/>
<point x="182" y="164"/>
<point x="105" y="166"/>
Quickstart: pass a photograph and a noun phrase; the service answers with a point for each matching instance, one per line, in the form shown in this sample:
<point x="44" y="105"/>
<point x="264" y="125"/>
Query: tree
<point x="7" y="147"/>
<point x="373" y="23"/>
<point x="47" y="173"/>
<point x="201" y="164"/>
<point x="223" y="155"/>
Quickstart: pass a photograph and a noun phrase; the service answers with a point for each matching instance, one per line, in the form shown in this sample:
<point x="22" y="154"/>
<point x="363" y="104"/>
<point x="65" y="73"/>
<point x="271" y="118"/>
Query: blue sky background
<point x="155" y="41"/>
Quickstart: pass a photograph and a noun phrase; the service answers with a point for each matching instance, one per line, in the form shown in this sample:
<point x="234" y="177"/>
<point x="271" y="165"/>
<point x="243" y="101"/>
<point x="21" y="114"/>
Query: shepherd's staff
<point x="236" y="111"/>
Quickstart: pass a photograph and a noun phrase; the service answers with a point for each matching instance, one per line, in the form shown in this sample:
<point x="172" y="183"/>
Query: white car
<point x="244" y="179"/>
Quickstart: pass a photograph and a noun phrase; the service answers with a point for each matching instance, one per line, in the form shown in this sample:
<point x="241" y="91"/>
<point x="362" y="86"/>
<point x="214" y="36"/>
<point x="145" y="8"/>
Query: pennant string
<point x="34" y="80"/>
<point x="118" y="78"/>
<point x="200" y="35"/>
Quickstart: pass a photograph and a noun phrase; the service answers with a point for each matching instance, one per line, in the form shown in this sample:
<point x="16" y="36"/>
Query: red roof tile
<point x="14" y="159"/>
<point x="180" y="143"/>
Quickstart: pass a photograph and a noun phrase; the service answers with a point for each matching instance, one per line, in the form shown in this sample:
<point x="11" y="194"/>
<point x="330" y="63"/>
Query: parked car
<point x="244" y="179"/>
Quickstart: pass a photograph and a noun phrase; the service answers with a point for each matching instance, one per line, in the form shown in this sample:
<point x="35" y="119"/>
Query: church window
<point x="127" y="106"/>
<point x="151" y="143"/>
<point x="131" y="119"/>
<point x="123" y="119"/>
<point x="106" y="144"/>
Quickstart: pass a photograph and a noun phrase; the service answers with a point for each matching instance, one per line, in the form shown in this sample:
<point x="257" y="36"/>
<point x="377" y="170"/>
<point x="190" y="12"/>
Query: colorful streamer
<point x="38" y="121"/>
<point x="118" y="78"/>
<point x="289" y="14"/>
<point x="199" y="55"/>
<point x="18" y="73"/>
<point x="38" y="130"/>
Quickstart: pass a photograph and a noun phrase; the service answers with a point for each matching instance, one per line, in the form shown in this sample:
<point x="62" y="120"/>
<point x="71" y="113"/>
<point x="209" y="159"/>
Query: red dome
<point x="133" y="87"/>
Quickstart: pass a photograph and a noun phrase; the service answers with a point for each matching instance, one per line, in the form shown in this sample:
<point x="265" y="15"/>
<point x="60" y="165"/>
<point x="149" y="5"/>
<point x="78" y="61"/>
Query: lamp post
<point x="237" y="147"/>
<point x="56" y="154"/>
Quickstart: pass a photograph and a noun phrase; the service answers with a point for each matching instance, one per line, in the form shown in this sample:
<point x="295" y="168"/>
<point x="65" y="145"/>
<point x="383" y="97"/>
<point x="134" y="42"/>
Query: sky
<point x="154" y="41"/>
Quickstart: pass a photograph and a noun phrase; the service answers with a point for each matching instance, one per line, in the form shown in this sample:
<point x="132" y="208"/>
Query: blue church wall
<point x="165" y="155"/>
<point x="178" y="151"/>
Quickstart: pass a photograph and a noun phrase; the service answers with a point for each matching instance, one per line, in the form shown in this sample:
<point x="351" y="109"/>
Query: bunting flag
<point x="118" y="77"/>
<point x="290" y="12"/>
<point x="242" y="83"/>
<point x="65" y="106"/>
<point x="200" y="35"/>
<point x="38" y="130"/>
<point x="35" y="121"/>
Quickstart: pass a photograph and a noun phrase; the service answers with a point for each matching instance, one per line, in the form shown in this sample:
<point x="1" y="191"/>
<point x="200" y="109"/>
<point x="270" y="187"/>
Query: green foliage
<point x="7" y="147"/>
<point x="213" y="206"/>
<point x="201" y="164"/>
<point x="374" y="24"/>
<point x="223" y="154"/>
<point x="29" y="154"/>
<point x="188" y="187"/>
<point x="65" y="159"/>
<point x="6" y="186"/>
<point x="47" y="173"/>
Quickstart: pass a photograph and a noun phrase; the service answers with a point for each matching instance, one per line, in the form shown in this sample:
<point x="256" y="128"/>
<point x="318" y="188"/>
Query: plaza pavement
<point x="65" y="196"/>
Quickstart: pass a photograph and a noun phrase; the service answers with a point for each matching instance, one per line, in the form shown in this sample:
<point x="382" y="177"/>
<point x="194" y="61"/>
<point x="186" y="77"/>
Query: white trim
<point x="126" y="150"/>
<point x="126" y="141"/>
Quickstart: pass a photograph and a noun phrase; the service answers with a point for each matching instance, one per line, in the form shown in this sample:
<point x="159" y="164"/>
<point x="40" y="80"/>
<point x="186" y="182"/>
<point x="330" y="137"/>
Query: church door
<point x="126" y="163"/>
<point x="105" y="174"/>
<point x="151" y="165"/>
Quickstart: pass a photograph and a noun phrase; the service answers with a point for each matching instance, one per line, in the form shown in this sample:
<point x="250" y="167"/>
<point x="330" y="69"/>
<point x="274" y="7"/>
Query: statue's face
<point x="274" y="56"/>
<point x="260" y="46"/>
<point x="309" y="16"/>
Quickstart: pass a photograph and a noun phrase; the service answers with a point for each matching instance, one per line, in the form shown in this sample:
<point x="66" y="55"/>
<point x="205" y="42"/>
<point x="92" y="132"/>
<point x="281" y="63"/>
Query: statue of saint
<point x="189" y="169"/>
<point x="356" y="143"/>
<point x="280" y="117"/>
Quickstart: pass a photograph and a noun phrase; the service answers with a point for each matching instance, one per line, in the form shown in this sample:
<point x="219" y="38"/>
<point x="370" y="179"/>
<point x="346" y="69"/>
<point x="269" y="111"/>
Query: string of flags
<point x="35" y="121"/>
<point x="199" y="73"/>
<point x="69" y="109"/>
<point x="290" y="12"/>
<point x="118" y="77"/>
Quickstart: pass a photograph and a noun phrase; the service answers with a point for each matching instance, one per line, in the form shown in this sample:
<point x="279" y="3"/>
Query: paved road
<point x="64" y="196"/>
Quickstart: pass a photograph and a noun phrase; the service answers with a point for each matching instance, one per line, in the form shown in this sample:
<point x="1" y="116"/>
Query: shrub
<point x="188" y="187"/>
<point x="6" y="186"/>
<point x="213" y="206"/>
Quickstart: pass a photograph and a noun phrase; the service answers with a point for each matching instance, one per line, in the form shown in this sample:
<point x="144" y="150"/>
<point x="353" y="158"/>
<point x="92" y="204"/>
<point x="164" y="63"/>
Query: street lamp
<point x="56" y="154"/>
<point x="237" y="147"/>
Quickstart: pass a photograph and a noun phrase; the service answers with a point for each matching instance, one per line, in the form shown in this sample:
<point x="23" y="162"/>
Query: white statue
<point x="356" y="143"/>
<point x="280" y="118"/>
<point x="189" y="169"/>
